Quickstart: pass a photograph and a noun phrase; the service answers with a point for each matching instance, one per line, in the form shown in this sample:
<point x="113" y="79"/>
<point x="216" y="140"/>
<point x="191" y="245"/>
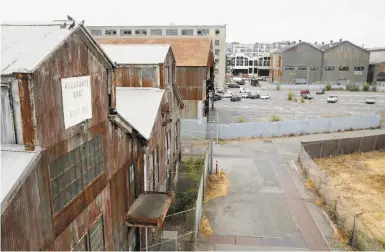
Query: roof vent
<point x="300" y="41"/>
<point x="294" y="42"/>
<point x="340" y="39"/>
<point x="323" y="43"/>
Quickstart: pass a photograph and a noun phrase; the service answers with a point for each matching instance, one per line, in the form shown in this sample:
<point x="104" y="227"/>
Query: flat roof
<point x="136" y="53"/>
<point x="139" y="107"/>
<point x="16" y="163"/>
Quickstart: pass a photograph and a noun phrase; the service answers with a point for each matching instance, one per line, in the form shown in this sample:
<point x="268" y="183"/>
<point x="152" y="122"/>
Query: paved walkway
<point x="267" y="207"/>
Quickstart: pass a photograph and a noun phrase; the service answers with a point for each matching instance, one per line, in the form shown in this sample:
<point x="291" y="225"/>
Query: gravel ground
<point x="247" y="110"/>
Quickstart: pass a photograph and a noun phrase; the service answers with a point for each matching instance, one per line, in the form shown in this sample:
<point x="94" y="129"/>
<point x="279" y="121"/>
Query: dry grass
<point x="216" y="186"/>
<point x="310" y="185"/>
<point x="205" y="227"/>
<point x="359" y="179"/>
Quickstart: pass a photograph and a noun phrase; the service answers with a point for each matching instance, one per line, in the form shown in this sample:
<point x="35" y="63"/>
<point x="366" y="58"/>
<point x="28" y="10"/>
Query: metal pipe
<point x="145" y="189"/>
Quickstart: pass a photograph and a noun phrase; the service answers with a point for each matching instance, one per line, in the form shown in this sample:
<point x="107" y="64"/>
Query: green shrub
<point x="241" y="120"/>
<point x="278" y="87"/>
<point x="290" y="96"/>
<point x="352" y="87"/>
<point x="274" y="118"/>
<point x="366" y="87"/>
<point x="374" y="88"/>
<point x="328" y="87"/>
<point x="302" y="100"/>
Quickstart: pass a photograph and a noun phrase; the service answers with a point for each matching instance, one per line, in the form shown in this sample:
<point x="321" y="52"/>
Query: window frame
<point x="289" y="68"/>
<point x="123" y="32"/>
<point x="112" y="31"/>
<point x="329" y="68"/>
<point x="155" y="32"/>
<point x="187" y="32"/>
<point x="172" y="32"/>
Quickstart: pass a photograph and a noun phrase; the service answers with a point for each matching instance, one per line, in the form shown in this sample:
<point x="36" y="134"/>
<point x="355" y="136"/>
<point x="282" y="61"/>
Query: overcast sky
<point x="248" y="21"/>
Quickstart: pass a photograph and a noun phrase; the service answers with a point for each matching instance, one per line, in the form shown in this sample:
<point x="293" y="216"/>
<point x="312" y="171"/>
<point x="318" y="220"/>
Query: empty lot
<point x="247" y="110"/>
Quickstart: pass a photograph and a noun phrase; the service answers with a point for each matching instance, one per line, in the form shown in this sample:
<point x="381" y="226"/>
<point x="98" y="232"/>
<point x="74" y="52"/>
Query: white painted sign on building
<point x="77" y="105"/>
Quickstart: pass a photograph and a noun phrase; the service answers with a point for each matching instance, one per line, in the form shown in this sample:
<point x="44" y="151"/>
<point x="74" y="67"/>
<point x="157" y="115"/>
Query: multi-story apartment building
<point x="217" y="34"/>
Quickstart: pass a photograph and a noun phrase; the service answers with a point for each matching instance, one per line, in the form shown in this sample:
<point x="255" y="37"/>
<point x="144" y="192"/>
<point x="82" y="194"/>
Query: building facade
<point x="376" y="74"/>
<point x="194" y="70"/>
<point x="335" y="63"/>
<point x="74" y="170"/>
<point x="299" y="63"/>
<point x="216" y="33"/>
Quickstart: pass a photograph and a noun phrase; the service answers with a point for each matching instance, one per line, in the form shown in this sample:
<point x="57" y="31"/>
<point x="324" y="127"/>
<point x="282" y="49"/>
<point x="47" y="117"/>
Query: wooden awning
<point x="149" y="209"/>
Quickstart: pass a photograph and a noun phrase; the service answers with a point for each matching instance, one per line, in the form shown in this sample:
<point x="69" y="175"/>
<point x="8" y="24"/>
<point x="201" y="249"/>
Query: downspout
<point x="145" y="189"/>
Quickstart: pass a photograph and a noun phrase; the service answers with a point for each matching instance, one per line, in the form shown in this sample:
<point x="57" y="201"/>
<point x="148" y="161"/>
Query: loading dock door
<point x="300" y="80"/>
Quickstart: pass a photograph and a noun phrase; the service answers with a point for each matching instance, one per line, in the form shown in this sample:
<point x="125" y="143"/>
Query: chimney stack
<point x="331" y="41"/>
<point x="340" y="39"/>
<point x="323" y="43"/>
<point x="294" y="42"/>
<point x="300" y="41"/>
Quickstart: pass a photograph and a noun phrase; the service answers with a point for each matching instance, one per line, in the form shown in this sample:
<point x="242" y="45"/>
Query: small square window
<point x="110" y="32"/>
<point x="217" y="51"/>
<point x="125" y="32"/>
<point x="171" y="32"/>
<point x="217" y="42"/>
<point x="217" y="32"/>
<point x="187" y="32"/>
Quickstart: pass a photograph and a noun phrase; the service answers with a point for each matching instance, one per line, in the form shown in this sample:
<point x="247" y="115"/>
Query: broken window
<point x="110" y="32"/>
<point x="329" y="68"/>
<point x="203" y="32"/>
<point x="187" y="32"/>
<point x="314" y="68"/>
<point x="125" y="32"/>
<point x="289" y="68"/>
<point x="359" y="68"/>
<point x="93" y="240"/>
<point x="301" y="68"/>
<point x="217" y="32"/>
<point x="171" y="32"/>
<point x="141" y="32"/>
<point x="156" y="32"/>
<point x="72" y="172"/>
<point x="343" y="68"/>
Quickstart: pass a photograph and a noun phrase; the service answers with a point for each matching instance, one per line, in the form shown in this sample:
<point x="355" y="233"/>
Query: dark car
<point x="320" y="91"/>
<point x="254" y="82"/>
<point x="235" y="98"/>
<point x="254" y="96"/>
<point x="233" y="85"/>
<point x="307" y="96"/>
<point x="217" y="97"/>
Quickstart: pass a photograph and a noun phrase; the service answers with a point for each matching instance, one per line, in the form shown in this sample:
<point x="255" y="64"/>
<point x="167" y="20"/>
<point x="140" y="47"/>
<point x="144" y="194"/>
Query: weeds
<point x="328" y="87"/>
<point x="274" y="118"/>
<point x="366" y="87"/>
<point x="290" y="96"/>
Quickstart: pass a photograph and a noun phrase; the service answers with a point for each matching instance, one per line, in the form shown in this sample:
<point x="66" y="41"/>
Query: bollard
<point x="217" y="168"/>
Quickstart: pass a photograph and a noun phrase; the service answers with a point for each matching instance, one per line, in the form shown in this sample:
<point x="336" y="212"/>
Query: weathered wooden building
<point x="194" y="69"/>
<point x="145" y="80"/>
<point x="71" y="170"/>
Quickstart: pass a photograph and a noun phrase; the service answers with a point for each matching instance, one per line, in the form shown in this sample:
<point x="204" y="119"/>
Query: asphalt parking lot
<point x="248" y="110"/>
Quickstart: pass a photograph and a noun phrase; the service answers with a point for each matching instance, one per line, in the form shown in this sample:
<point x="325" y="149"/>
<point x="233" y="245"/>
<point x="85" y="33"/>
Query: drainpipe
<point x="145" y="189"/>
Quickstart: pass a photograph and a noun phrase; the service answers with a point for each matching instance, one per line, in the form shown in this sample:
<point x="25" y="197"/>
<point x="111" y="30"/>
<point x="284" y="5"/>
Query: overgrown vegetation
<point x="352" y="87"/>
<point x="365" y="87"/>
<point x="328" y="87"/>
<point x="241" y="120"/>
<point x="274" y="118"/>
<point x="186" y="198"/>
<point x="302" y="100"/>
<point x="290" y="96"/>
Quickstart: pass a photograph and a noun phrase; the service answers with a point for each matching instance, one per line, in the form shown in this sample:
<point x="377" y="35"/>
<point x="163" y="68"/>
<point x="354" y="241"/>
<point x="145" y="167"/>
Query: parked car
<point x="217" y="97"/>
<point x="332" y="99"/>
<point x="307" y="97"/>
<point x="244" y="90"/>
<point x="220" y="91"/>
<point x="245" y="95"/>
<point x="254" y="82"/>
<point x="254" y="96"/>
<point x="233" y="85"/>
<point x="320" y="91"/>
<point x="228" y="94"/>
<point x="303" y="92"/>
<point x="370" y="100"/>
<point x="235" y="98"/>
<point x="265" y="96"/>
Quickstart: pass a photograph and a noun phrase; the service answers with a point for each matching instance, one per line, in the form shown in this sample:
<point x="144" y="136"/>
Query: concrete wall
<point x="301" y="55"/>
<point x="345" y="54"/>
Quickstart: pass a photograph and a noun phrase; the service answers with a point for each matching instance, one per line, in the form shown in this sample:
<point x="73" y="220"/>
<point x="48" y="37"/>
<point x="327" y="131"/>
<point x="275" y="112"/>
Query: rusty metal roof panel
<point x="137" y="53"/>
<point x="187" y="52"/>
<point x="139" y="107"/>
<point x="16" y="163"/>
<point x="149" y="210"/>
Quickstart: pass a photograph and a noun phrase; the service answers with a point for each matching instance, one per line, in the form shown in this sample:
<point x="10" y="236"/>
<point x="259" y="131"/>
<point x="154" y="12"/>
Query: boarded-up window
<point x="93" y="240"/>
<point x="72" y="172"/>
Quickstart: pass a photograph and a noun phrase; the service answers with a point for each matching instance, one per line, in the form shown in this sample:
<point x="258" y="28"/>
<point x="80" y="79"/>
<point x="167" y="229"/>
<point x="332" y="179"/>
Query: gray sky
<point x="248" y="21"/>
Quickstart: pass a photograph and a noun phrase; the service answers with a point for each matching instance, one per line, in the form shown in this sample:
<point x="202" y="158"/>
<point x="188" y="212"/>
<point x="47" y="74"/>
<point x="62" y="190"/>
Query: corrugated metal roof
<point x="283" y="49"/>
<point x="136" y="54"/>
<point x="15" y="164"/>
<point x="377" y="56"/>
<point x="139" y="107"/>
<point x="23" y="47"/>
<point x="187" y="52"/>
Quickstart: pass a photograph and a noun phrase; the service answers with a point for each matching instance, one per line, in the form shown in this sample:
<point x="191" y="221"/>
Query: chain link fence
<point x="334" y="203"/>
